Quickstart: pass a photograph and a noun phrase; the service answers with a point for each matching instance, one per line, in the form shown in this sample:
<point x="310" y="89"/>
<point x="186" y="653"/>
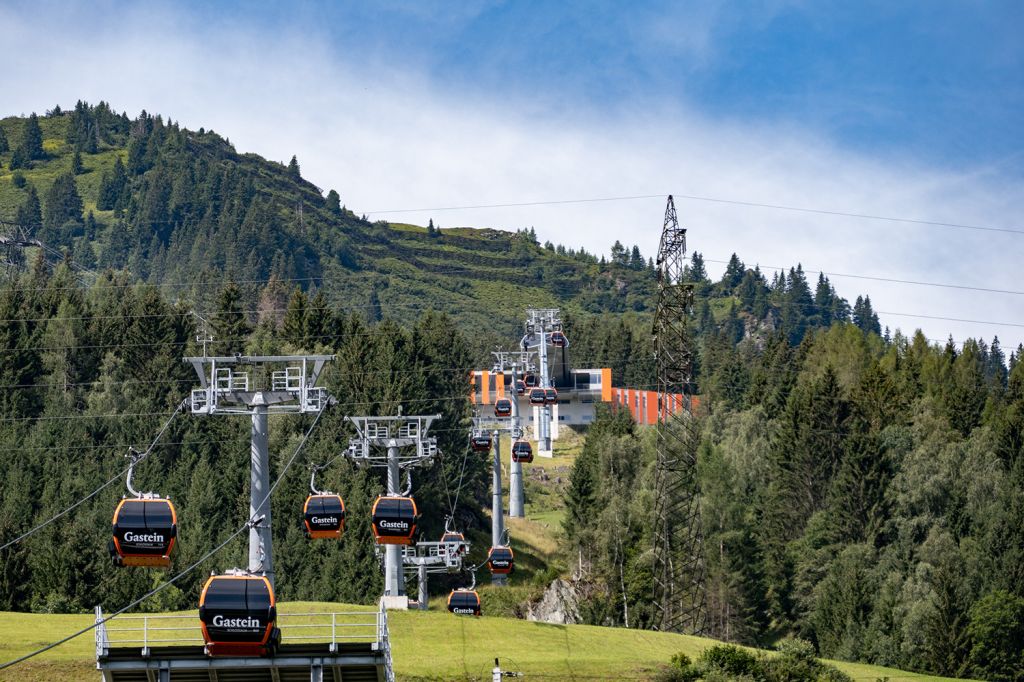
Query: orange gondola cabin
<point x="324" y="517"/>
<point x="144" y="532"/>
<point x="394" y="520"/>
<point x="558" y="339"/>
<point x="503" y="408"/>
<point x="520" y="387"/>
<point x="464" y="602"/>
<point x="238" y="613"/>
<point x="522" y="452"/>
<point x="452" y="537"/>
<point x="481" y="442"/>
<point x="550" y="396"/>
<point x="537" y="396"/>
<point x="501" y="560"/>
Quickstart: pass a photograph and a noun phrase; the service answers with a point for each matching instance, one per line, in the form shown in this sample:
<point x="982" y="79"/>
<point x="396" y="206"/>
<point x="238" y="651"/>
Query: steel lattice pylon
<point x="679" y="595"/>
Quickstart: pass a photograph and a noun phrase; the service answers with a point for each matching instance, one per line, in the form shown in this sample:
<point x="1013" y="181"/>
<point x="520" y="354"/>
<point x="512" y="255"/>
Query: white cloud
<point x="387" y="138"/>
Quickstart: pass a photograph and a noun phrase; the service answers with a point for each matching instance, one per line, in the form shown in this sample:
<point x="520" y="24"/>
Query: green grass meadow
<point x="432" y="645"/>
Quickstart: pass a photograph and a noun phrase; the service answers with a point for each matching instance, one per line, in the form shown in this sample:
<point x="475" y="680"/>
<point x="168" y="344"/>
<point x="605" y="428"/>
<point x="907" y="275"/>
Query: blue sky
<point x="941" y="81"/>
<point x="907" y="109"/>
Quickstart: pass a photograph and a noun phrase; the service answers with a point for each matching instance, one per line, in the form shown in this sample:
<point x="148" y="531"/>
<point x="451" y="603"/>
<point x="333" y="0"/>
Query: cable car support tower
<point x="407" y="447"/>
<point x="291" y="390"/>
<point x="679" y="593"/>
<point x="518" y="363"/>
<point x="540" y="323"/>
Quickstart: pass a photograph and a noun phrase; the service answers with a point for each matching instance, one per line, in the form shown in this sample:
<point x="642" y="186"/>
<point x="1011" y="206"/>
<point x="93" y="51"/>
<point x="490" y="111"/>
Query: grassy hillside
<point x="430" y="646"/>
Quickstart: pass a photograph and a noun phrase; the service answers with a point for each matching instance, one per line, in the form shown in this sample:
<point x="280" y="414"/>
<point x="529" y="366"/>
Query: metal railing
<point x="144" y="631"/>
<point x="384" y="642"/>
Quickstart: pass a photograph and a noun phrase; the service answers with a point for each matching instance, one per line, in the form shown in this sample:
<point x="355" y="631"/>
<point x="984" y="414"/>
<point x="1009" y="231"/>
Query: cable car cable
<point x="135" y="460"/>
<point x="135" y="603"/>
<point x="245" y="526"/>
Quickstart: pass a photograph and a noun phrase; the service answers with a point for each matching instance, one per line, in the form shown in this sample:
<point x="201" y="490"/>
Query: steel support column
<point x="260" y="538"/>
<point x="497" y="518"/>
<point x="394" y="575"/>
<point x="515" y="474"/>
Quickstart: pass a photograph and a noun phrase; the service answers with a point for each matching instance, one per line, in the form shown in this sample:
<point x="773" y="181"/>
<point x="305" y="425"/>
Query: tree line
<point x="863" y="491"/>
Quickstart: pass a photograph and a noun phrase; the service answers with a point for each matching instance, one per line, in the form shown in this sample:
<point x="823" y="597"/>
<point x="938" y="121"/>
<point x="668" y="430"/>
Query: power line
<point x="885" y="279"/>
<point x="716" y="200"/>
<point x="174" y="343"/>
<point x="249" y="522"/>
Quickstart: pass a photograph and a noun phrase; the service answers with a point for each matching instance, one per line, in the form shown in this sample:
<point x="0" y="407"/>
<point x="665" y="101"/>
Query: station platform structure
<point x="319" y="647"/>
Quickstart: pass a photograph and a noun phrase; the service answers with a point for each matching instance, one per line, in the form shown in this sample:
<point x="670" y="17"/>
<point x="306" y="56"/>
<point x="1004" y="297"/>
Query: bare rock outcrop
<point x="560" y="604"/>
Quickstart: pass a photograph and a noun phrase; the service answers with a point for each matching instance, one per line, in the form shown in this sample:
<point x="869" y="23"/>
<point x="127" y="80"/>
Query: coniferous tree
<point x="19" y="159"/>
<point x="333" y="202"/>
<point x="294" y="325"/>
<point x="734" y="272"/>
<point x="823" y="303"/>
<point x="809" y="449"/>
<point x="619" y="254"/>
<point x="696" y="271"/>
<point x="231" y="327"/>
<point x="319" y="321"/>
<point x="636" y="261"/>
<point x="63" y="205"/>
<point x="77" y="167"/>
<point x="30" y="214"/>
<point x="293" y="168"/>
<point x="112" y="187"/>
<point x="4" y="144"/>
<point x="32" y="139"/>
<point x="995" y="367"/>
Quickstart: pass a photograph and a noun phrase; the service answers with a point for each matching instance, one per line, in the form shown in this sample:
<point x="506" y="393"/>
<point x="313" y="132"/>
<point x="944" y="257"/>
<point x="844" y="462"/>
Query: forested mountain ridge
<point x="183" y="210"/>
<point x="175" y="206"/>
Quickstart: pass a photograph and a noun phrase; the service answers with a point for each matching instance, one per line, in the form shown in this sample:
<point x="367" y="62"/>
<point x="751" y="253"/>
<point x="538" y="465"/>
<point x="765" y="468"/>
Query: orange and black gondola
<point x="558" y="339"/>
<point x="481" y="442"/>
<point x="238" y="615"/>
<point x="520" y="387"/>
<point x="501" y="560"/>
<point x="537" y="396"/>
<point x="550" y="396"/>
<point x="503" y="407"/>
<point x="324" y="516"/>
<point x="464" y="602"/>
<point x="394" y="520"/>
<point x="522" y="452"/>
<point x="144" y="532"/>
<point x="456" y="538"/>
<point x="530" y="380"/>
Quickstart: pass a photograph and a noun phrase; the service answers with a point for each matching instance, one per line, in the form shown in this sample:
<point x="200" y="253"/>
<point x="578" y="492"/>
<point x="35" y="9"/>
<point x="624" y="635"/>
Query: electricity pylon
<point x="679" y="594"/>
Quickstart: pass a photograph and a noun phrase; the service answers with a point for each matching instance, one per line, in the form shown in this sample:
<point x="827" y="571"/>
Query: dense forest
<point x="863" y="492"/>
<point x="860" y="488"/>
<point x="85" y="373"/>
